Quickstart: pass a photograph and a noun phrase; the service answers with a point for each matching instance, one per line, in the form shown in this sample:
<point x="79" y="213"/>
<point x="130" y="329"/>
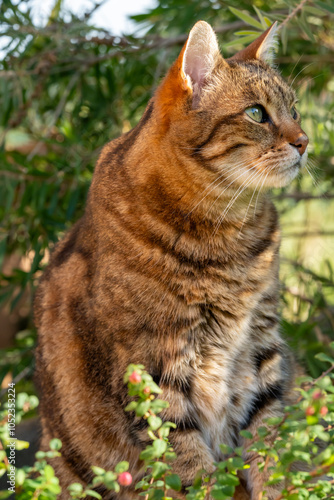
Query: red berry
<point x="323" y="410"/>
<point x="135" y="378"/>
<point x="317" y="395"/>
<point x="125" y="479"/>
<point x="310" y="410"/>
<point x="146" y="390"/>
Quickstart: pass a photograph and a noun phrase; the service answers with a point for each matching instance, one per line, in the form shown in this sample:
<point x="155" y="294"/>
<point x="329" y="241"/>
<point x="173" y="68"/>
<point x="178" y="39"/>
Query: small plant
<point x="303" y="434"/>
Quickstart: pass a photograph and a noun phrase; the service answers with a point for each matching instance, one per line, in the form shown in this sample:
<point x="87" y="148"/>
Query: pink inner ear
<point x="200" y="54"/>
<point x="195" y="68"/>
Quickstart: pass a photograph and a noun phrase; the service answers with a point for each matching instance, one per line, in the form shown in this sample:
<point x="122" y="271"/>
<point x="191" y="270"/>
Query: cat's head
<point x="234" y="116"/>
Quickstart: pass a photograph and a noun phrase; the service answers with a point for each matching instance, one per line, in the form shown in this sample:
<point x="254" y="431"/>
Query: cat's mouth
<point x="297" y="164"/>
<point x="284" y="174"/>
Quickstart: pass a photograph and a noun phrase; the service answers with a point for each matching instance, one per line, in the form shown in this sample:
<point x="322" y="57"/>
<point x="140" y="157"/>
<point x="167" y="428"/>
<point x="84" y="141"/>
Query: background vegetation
<point x="66" y="88"/>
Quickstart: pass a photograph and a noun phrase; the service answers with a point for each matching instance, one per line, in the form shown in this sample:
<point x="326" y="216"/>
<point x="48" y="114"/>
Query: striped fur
<point x="164" y="270"/>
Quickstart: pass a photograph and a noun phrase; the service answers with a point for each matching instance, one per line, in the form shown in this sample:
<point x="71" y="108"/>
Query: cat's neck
<point x="173" y="198"/>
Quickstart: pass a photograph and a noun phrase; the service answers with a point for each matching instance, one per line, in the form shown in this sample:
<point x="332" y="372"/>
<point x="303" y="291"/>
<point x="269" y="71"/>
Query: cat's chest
<point x="225" y="381"/>
<point x="224" y="368"/>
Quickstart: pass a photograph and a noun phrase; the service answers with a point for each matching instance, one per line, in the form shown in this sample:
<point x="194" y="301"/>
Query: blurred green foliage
<point x="67" y="87"/>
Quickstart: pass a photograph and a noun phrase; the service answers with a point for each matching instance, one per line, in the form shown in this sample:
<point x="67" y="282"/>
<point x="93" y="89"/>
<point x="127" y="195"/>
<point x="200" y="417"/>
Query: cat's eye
<point x="257" y="113"/>
<point x="293" y="113"/>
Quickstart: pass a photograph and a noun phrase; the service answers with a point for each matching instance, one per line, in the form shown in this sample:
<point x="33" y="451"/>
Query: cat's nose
<point x="300" y="143"/>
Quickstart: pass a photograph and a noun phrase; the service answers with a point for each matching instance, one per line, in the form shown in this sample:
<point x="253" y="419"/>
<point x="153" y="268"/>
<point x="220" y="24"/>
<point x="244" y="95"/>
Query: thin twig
<point x="293" y="13"/>
<point x="296" y="294"/>
<point x="304" y="196"/>
<point x="96" y="6"/>
<point x="308" y="234"/>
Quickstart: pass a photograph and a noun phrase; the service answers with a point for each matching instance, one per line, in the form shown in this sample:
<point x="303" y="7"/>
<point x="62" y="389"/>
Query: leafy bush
<point x="294" y="437"/>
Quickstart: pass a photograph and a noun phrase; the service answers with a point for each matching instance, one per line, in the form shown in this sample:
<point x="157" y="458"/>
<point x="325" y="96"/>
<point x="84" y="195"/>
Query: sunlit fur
<point x="174" y="265"/>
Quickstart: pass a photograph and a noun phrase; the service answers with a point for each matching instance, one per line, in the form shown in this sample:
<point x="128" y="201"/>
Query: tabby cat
<point x="174" y="265"/>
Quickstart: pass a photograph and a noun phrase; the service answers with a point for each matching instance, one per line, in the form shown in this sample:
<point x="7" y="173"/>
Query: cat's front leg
<point x="258" y="476"/>
<point x="193" y="455"/>
<point x="275" y="381"/>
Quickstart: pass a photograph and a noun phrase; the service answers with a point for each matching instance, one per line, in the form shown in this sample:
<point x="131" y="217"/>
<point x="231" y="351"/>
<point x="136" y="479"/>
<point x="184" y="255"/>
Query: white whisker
<point x="264" y="180"/>
<point x="236" y="195"/>
<point x="249" y="204"/>
<point x="242" y="173"/>
<point x="238" y="165"/>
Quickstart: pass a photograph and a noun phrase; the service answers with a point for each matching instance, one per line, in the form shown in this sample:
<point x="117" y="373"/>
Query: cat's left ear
<point x="263" y="48"/>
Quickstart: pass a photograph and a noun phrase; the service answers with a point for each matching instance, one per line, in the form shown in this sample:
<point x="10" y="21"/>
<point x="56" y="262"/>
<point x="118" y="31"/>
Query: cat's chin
<point x="285" y="176"/>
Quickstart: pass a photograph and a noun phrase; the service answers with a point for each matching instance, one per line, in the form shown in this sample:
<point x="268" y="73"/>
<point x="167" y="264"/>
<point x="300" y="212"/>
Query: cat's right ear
<point x="198" y="57"/>
<point x="187" y="76"/>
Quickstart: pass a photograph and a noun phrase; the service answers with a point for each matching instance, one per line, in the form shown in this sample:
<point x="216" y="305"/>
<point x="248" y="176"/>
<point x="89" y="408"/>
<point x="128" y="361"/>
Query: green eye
<point x="293" y="113"/>
<point x="257" y="113"/>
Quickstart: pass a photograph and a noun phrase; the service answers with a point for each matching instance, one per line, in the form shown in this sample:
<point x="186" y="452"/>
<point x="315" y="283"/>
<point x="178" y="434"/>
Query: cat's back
<point x="73" y="261"/>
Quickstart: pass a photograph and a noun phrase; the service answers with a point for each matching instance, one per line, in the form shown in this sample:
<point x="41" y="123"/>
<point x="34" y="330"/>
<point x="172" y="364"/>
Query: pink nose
<point x="300" y="143"/>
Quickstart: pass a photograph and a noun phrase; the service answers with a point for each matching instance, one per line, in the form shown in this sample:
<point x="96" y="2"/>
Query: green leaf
<point x="314" y="11"/>
<point x="158" y="405"/>
<point x="262" y="432"/>
<point x="93" y="494"/>
<point x="245" y="33"/>
<point x="246" y="434"/>
<point x="75" y="488"/>
<point x="148" y="454"/>
<point x="5" y="494"/>
<point x="20" y="477"/>
<point x="151" y="435"/>
<point x="173" y="482"/>
<point x="305" y="27"/>
<point x="122" y="467"/>
<point x="236" y="462"/>
<point x="55" y="444"/>
<point x="325" y="6"/>
<point x="242" y="40"/>
<point x="48" y="472"/>
<point x="323" y="357"/>
<point x="247" y="18"/>
<point x="109" y="479"/>
<point x="170" y="456"/>
<point x="274" y="420"/>
<point x="21" y="445"/>
<point x="222" y="492"/>
<point x="54" y="488"/>
<point x="159" y="446"/>
<point x="131" y="406"/>
<point x="225" y="449"/>
<point x="98" y="471"/>
<point x="154" y="422"/>
<point x="158" y="469"/>
<point x="142" y="408"/>
<point x="165" y="429"/>
<point x="261" y="18"/>
<point x="154" y="387"/>
<point x="156" y="494"/>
